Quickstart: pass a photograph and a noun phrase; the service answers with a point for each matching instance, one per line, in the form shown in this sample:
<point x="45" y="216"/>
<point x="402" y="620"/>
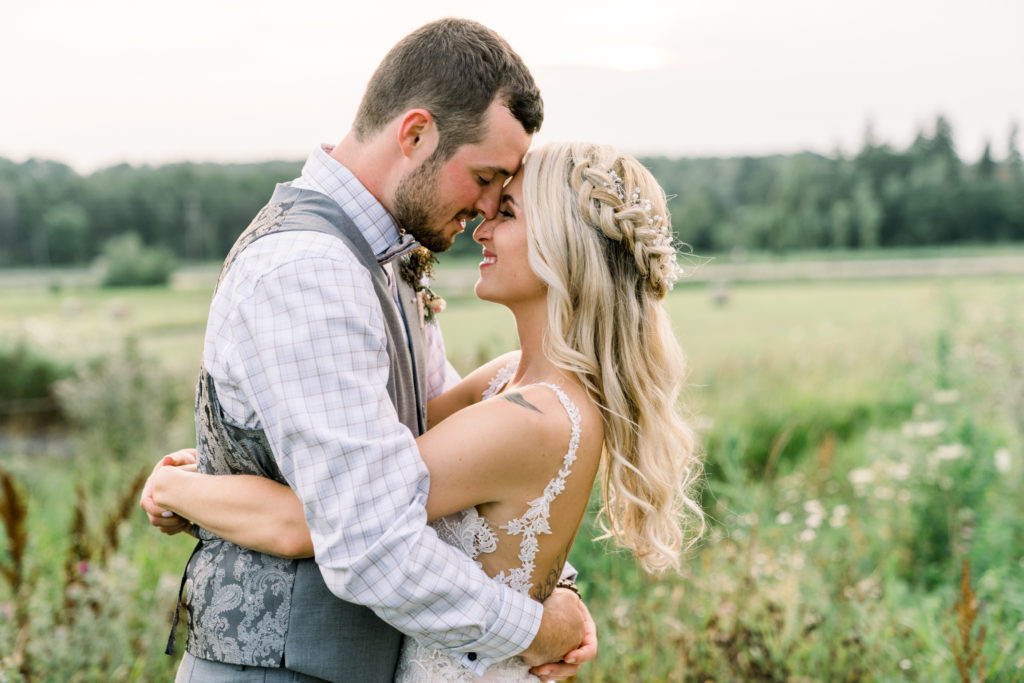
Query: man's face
<point x="433" y="202"/>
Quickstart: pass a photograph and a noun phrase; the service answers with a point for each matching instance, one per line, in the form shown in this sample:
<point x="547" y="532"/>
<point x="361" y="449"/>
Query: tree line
<point x="879" y="197"/>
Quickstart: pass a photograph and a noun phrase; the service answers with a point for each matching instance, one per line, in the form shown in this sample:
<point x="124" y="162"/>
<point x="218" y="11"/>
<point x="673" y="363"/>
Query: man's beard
<point x="416" y="207"/>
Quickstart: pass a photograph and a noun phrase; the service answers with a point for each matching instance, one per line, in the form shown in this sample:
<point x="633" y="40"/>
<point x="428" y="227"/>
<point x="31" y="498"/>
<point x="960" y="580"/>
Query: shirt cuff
<point x="516" y="626"/>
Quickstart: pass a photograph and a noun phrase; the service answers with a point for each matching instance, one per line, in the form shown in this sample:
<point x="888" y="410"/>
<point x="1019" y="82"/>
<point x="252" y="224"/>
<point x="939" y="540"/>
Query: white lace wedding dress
<point x="473" y="534"/>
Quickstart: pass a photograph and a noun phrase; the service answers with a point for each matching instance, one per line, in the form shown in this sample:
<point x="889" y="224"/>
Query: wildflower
<point x="814" y="507"/>
<point x="783" y="518"/>
<point x="1003" y="460"/>
<point x="807" y="535"/>
<point x="899" y="471"/>
<point x="839" y="514"/>
<point x="796" y="560"/>
<point x="861" y="476"/>
<point x="905" y="664"/>
<point x="923" y="429"/>
<point x="951" y="451"/>
<point x="946" y="396"/>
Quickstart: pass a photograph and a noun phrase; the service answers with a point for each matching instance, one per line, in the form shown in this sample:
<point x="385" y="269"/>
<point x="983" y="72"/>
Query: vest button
<point x="472" y="656"/>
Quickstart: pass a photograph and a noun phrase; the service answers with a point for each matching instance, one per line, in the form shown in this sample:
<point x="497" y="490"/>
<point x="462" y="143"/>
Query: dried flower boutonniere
<point x="417" y="267"/>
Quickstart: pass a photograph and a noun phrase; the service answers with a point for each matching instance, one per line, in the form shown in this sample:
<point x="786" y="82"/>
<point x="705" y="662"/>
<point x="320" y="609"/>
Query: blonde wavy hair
<point x="599" y="237"/>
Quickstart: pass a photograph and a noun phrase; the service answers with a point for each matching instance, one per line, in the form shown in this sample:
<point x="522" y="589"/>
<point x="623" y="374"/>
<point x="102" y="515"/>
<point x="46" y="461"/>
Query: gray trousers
<point x="196" y="670"/>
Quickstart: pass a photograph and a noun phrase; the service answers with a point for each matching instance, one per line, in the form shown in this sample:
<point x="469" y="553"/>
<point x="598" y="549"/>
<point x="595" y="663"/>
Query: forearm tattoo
<point x="546" y="584"/>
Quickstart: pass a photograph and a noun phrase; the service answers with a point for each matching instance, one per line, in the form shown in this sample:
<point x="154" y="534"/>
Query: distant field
<point x="713" y="322"/>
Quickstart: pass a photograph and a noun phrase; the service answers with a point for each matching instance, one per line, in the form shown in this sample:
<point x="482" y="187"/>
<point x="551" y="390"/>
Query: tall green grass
<point x="862" y="440"/>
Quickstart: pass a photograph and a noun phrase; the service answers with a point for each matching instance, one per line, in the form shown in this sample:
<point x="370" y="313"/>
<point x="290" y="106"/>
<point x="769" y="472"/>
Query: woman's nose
<point x="482" y="232"/>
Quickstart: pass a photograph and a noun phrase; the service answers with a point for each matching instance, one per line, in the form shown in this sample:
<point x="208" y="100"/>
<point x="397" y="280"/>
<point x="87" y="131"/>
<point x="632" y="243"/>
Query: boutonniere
<point x="416" y="268"/>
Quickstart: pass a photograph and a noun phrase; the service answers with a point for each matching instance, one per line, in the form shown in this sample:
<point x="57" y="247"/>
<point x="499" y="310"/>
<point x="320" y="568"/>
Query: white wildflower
<point x="951" y="451"/>
<point x="899" y="471"/>
<point x="783" y="518"/>
<point x="1004" y="461"/>
<point x="861" y="476"/>
<point x="839" y="515"/>
<point x="814" y="507"/>
<point x="923" y="429"/>
<point x="946" y="396"/>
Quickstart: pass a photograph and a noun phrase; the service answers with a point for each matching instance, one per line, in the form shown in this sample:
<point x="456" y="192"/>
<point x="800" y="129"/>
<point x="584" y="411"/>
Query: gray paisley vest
<point x="246" y="607"/>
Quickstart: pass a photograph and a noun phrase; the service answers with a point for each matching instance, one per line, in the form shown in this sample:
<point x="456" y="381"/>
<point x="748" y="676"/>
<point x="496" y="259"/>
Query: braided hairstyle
<point x="600" y="239"/>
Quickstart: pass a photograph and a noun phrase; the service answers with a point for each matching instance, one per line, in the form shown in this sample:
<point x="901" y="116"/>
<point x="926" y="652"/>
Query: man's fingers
<point x="555" y="672"/>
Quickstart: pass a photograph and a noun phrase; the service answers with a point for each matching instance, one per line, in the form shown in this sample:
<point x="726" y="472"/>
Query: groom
<point x="313" y="375"/>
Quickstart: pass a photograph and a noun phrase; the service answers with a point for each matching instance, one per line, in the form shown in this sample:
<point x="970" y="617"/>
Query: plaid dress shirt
<point x="296" y="345"/>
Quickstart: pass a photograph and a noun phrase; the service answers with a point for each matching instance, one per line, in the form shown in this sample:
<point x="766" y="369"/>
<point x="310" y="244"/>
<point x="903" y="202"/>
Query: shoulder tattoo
<point x="517" y="398"/>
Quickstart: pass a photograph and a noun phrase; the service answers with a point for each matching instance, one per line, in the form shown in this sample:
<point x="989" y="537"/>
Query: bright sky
<point x="97" y="82"/>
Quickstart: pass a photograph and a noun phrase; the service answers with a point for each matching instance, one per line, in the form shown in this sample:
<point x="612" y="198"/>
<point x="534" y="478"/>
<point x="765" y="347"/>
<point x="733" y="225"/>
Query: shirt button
<point x="472" y="656"/>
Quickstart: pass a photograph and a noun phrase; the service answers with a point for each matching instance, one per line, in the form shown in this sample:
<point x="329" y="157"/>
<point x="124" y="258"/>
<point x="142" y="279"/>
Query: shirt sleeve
<point x="310" y="338"/>
<point x="441" y="374"/>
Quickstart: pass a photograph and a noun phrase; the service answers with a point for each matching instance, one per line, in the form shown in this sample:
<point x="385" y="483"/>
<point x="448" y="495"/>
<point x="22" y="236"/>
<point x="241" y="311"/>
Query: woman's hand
<point x="165" y="520"/>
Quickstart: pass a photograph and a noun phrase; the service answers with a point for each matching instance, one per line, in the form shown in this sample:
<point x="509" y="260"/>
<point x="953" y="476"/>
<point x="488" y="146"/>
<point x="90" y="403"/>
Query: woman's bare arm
<point x="251" y="511"/>
<point x="474" y="456"/>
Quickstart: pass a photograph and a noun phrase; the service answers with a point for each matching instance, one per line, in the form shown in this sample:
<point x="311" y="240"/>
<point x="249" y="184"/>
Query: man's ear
<point x="417" y="133"/>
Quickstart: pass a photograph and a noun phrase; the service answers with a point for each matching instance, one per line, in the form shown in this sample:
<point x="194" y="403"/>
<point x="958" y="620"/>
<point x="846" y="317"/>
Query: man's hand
<point x="164" y="520"/>
<point x="562" y="629"/>
<point x="571" y="663"/>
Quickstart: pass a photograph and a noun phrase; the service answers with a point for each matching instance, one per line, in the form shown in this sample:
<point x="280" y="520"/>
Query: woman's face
<point x="505" y="273"/>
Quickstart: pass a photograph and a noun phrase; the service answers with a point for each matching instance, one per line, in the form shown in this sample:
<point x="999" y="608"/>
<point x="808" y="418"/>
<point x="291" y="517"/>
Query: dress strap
<point x="536" y="520"/>
<point x="500" y="379"/>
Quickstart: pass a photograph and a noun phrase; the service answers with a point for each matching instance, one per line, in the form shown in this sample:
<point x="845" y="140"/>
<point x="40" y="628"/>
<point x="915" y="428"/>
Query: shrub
<point x="128" y="263"/>
<point x="27" y="381"/>
<point x="121" y="403"/>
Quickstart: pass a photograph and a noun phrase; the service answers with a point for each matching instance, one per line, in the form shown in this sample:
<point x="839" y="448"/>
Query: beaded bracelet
<point x="570" y="585"/>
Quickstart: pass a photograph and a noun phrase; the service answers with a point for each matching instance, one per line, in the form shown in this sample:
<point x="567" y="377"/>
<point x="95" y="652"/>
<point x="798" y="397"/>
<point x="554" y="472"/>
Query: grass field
<point x="863" y="439"/>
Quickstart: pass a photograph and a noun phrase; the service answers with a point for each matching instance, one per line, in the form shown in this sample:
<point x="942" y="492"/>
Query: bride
<point x="581" y="253"/>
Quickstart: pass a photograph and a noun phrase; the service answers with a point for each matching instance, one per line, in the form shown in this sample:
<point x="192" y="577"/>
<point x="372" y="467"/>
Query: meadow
<point x="863" y="446"/>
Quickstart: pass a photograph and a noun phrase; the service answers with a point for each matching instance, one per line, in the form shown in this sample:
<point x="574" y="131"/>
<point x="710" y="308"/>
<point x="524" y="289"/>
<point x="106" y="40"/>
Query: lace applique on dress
<point x="536" y="519"/>
<point x="475" y="530"/>
<point x="474" y="535"/>
<point x="499" y="381"/>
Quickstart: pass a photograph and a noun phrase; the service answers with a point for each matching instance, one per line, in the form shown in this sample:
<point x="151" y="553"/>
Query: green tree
<point x="128" y="263"/>
<point x="66" y="230"/>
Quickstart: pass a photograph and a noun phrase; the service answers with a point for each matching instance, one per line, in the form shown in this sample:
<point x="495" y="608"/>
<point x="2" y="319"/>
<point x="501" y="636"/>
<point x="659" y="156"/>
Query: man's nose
<point x="488" y="202"/>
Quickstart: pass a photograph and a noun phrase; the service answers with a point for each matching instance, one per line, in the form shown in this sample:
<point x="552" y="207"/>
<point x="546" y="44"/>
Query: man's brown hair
<point x="453" y="68"/>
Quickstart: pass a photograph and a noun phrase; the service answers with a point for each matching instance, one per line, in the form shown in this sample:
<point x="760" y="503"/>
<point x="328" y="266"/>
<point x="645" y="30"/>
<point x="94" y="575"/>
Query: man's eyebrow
<point x="497" y="170"/>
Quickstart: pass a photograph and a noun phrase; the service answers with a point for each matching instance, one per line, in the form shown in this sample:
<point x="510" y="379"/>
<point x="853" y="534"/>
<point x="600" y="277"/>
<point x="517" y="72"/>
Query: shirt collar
<point x="327" y="175"/>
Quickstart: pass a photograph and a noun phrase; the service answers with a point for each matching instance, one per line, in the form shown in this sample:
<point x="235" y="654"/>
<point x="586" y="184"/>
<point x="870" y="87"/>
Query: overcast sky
<point x="97" y="82"/>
